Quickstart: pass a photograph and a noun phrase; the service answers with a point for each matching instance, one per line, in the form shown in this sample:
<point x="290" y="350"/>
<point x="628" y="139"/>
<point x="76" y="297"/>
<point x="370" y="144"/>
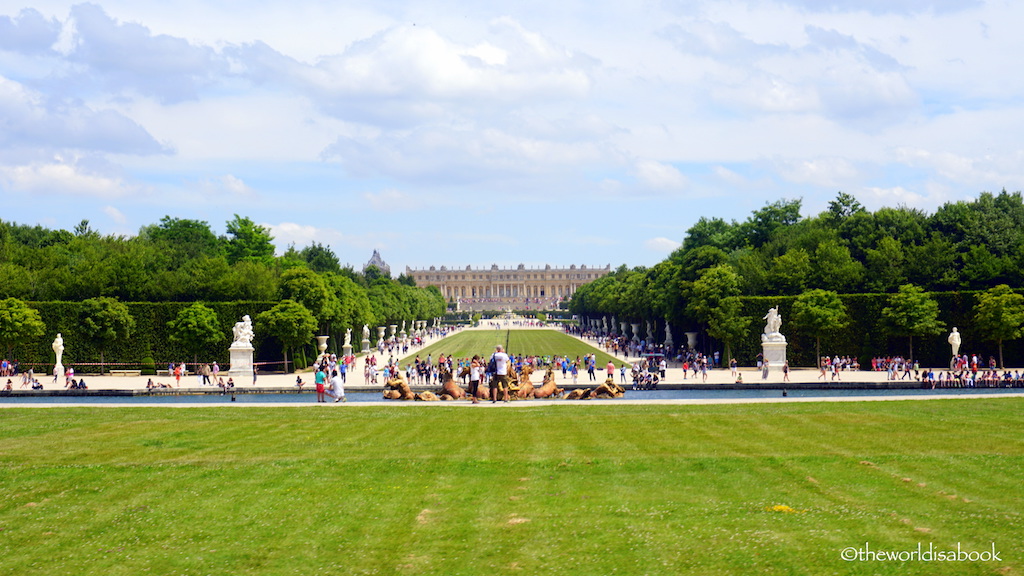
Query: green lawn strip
<point x="552" y="490"/>
<point x="527" y="342"/>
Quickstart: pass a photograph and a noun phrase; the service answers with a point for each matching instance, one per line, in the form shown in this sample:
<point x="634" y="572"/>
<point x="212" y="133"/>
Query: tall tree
<point x="19" y="324"/>
<point x="819" y="313"/>
<point x="105" y="320"/>
<point x="196" y="328"/>
<point x="290" y="322"/>
<point x="911" y="313"/>
<point x="248" y="241"/>
<point x="999" y="316"/>
<point x="188" y="239"/>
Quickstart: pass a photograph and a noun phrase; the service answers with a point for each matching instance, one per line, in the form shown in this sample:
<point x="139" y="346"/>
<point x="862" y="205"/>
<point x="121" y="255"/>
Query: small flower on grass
<point x="783" y="509"/>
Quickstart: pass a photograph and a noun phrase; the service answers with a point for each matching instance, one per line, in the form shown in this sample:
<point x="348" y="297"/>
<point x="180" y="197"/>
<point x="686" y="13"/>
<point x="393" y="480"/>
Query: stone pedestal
<point x="774" y="353"/>
<point x="365" y="344"/>
<point x="346" y="350"/>
<point x="241" y="361"/>
<point x="59" y="370"/>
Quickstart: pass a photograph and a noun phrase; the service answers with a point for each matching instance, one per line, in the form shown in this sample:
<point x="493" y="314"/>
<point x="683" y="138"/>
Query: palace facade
<point x="495" y="288"/>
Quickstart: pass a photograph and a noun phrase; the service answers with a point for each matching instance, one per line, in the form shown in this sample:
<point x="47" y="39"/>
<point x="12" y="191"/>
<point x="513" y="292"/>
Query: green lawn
<point x="527" y="342"/>
<point x="595" y="489"/>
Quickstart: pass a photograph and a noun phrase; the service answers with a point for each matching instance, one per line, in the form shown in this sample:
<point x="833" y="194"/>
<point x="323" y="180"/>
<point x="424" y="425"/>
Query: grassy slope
<point x="551" y="490"/>
<point x="538" y="342"/>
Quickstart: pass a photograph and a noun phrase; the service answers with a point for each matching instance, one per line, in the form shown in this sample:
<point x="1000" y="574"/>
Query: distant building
<point x="496" y="288"/>
<point x="379" y="262"/>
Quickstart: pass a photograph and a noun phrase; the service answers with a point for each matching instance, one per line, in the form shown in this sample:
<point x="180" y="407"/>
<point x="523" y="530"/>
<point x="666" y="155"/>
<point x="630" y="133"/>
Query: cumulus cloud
<point x="407" y="73"/>
<point x="62" y="178"/>
<point x="227" y="186"/>
<point x="824" y="172"/>
<point x="658" y="175"/>
<point x="114" y="214"/>
<point x="885" y="6"/>
<point x="391" y="200"/>
<point x="31" y="120"/>
<point x="128" y="56"/>
<point x="28" y="33"/>
<point x="662" y="245"/>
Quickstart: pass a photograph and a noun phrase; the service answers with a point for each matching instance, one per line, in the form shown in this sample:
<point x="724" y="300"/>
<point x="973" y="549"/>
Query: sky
<point x="476" y="133"/>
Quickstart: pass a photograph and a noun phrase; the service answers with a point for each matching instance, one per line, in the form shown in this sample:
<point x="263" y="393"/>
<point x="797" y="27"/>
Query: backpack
<point x="492" y="365"/>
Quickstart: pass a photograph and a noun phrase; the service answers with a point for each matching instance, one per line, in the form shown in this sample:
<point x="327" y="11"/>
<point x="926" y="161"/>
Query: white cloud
<point x="658" y="175"/>
<point x="391" y="200"/>
<point x="114" y="214"/>
<point x="824" y="172"/>
<point x="62" y="178"/>
<point x="662" y="245"/>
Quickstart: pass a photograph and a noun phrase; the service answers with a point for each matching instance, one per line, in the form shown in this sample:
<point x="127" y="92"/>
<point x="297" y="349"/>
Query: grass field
<point x="527" y="342"/>
<point x="597" y="489"/>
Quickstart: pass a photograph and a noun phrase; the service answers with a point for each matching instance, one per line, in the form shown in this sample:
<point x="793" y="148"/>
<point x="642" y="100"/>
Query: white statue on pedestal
<point x="348" y="337"/>
<point x="58" y="347"/>
<point x="954" y="340"/>
<point x="773" y="324"/>
<point x="243" y="333"/>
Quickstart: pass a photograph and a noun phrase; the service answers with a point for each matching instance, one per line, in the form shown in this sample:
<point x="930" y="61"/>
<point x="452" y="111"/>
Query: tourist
<point x="475" y="368"/>
<point x="785" y="371"/>
<point x="319" y="382"/>
<point x="610" y="368"/>
<point x="764" y="369"/>
<point x="499" y="382"/>
<point x="732" y="367"/>
<point x="337" y="388"/>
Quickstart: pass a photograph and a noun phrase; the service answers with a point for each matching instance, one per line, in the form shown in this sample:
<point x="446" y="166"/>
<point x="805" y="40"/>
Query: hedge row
<point x="865" y="337"/>
<point x="149" y="339"/>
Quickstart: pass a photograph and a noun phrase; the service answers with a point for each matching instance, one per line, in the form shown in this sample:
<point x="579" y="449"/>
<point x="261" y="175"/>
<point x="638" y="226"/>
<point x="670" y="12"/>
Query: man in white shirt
<point x="499" y="381"/>
<point x="337" y="390"/>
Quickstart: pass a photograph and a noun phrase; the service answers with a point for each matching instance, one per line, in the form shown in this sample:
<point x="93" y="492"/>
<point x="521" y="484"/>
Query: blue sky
<point x="466" y="133"/>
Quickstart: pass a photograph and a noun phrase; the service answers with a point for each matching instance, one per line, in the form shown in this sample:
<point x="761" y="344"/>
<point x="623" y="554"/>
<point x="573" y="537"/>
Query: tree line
<point x="813" y="264"/>
<point x="183" y="263"/>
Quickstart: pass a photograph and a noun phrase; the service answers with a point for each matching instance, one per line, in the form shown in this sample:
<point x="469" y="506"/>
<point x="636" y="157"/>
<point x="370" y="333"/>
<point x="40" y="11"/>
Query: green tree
<point x="999" y="316"/>
<point x="19" y="324"/>
<point x="886" y="265"/>
<point x="105" y="320"/>
<point x="321" y="258"/>
<point x="290" y="322"/>
<point x="248" y="241"/>
<point x="196" y="328"/>
<point x="186" y="239"/>
<point x="312" y="291"/>
<point x="726" y="324"/>
<point x="835" y="269"/>
<point x="713" y="301"/>
<point x="789" y="272"/>
<point x="819" y="313"/>
<point x="911" y="312"/>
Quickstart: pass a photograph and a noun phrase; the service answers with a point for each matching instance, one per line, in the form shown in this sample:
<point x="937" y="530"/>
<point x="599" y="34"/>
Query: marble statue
<point x="772" y="325"/>
<point x="348" y="337"/>
<point x="366" y="332"/>
<point x="243" y="333"/>
<point x="954" y="341"/>
<point x="58" y="348"/>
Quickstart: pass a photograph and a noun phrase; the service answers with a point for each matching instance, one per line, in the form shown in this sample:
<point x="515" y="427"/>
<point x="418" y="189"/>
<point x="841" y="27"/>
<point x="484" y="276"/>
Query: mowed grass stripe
<point x="549" y="490"/>
<point x="526" y="342"/>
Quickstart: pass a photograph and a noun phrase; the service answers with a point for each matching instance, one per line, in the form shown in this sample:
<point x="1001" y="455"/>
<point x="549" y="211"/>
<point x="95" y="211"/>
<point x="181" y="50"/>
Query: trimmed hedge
<point x="865" y="338"/>
<point x="149" y="341"/>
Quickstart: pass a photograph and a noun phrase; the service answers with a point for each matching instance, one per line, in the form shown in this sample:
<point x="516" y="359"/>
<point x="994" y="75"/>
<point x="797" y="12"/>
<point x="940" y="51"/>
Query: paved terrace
<point x="674" y="377"/>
